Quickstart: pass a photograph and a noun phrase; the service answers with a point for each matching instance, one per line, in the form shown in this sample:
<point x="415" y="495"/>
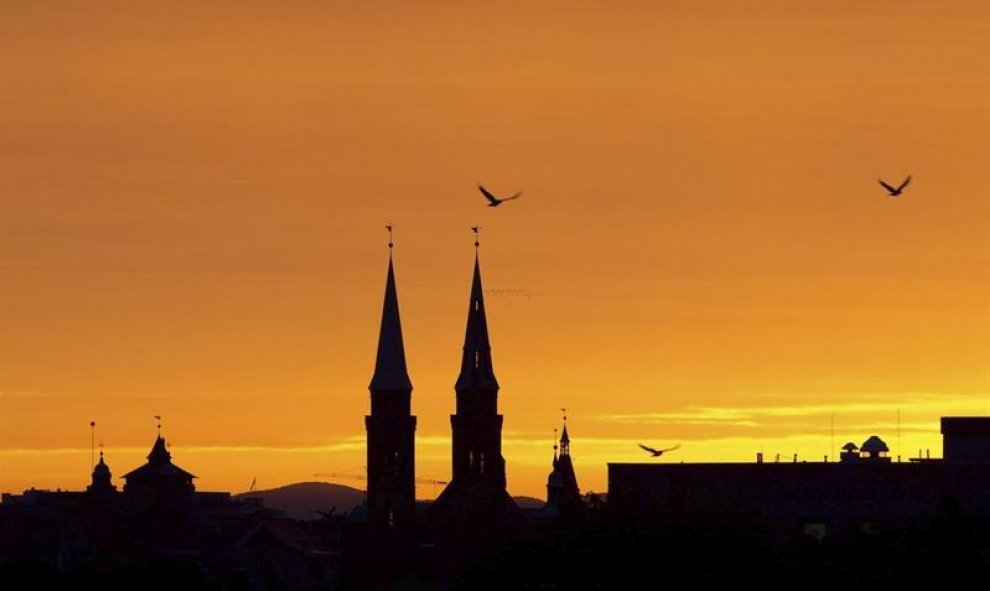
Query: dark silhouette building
<point x="159" y="477"/>
<point x="391" y="427"/>
<point x="158" y="518"/>
<point x="966" y="439"/>
<point x="863" y="489"/>
<point x="564" y="503"/>
<point x="101" y="484"/>
<point x="874" y="450"/>
<point x="563" y="494"/>
<point x="475" y="510"/>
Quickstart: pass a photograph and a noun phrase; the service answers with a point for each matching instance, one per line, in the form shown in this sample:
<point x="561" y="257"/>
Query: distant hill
<point x="529" y="502"/>
<point x="302" y="500"/>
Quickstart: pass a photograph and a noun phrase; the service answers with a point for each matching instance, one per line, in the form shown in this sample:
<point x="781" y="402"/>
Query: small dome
<point x="555" y="480"/>
<point x="874" y="445"/>
<point x="101" y="469"/>
<point x="850" y="446"/>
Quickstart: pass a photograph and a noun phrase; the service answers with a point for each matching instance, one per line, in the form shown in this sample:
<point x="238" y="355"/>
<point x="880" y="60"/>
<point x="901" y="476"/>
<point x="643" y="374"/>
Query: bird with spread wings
<point x="895" y="191"/>
<point x="494" y="201"/>
<point x="656" y="453"/>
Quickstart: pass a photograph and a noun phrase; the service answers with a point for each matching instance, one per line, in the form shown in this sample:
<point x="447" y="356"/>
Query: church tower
<point x="391" y="426"/>
<point x="476" y="496"/>
<point x="477" y="426"/>
<point x="562" y="486"/>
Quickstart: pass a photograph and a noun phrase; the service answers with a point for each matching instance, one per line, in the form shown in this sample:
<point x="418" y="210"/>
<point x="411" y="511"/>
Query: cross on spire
<point x="389" y="227"/>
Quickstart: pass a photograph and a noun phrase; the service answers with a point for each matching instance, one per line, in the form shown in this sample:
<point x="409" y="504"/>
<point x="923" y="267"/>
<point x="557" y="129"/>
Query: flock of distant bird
<point x="494" y="201"/>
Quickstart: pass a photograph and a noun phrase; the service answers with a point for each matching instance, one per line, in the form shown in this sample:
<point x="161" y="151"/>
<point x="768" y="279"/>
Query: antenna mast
<point x="92" y="443"/>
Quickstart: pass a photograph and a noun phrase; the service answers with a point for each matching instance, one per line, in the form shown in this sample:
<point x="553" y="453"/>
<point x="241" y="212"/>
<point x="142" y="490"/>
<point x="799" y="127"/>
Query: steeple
<point x="562" y="487"/>
<point x="475" y="511"/>
<point x="391" y="428"/>
<point x="477" y="372"/>
<point x="390" y="364"/>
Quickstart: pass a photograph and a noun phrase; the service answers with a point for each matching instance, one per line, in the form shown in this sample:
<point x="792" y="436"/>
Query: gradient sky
<point x="193" y="199"/>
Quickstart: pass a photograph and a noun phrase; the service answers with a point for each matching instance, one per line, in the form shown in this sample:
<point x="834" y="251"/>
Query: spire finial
<point x="477" y="236"/>
<point x="101" y="451"/>
<point x="563" y="412"/>
<point x="159" y="419"/>
<point x="389" y="227"/>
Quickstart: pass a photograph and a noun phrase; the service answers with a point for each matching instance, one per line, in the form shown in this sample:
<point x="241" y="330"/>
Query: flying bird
<point x="659" y="452"/>
<point x="894" y="192"/>
<point x="494" y="201"/>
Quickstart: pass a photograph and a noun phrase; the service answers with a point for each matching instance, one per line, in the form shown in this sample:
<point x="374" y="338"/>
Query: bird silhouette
<point x="894" y="192"/>
<point x="659" y="452"/>
<point x="494" y="201"/>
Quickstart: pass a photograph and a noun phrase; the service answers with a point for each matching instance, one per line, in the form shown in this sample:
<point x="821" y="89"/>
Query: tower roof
<point x="564" y="438"/>
<point x="390" y="364"/>
<point x="159" y="464"/>
<point x="476" y="364"/>
<point x="159" y="453"/>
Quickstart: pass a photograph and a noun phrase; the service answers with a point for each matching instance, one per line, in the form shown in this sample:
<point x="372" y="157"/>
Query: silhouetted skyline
<point x="193" y="199"/>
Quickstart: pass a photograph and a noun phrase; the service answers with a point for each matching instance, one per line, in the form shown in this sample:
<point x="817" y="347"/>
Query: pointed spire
<point x="159" y="453"/>
<point x="476" y="364"/>
<point x="390" y="364"/>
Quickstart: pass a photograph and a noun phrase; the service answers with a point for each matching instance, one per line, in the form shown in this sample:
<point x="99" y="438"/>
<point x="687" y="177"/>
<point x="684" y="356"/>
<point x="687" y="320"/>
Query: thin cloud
<point x="23" y="394"/>
<point x="758" y="416"/>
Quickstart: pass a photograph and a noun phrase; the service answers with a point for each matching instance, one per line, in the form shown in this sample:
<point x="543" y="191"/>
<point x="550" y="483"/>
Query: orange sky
<point x="193" y="198"/>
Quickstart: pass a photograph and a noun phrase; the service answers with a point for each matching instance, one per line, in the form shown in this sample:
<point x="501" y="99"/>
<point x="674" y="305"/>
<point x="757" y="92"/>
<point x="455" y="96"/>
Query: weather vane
<point x="159" y="419"/>
<point x="563" y="411"/>
<point x="477" y="235"/>
<point x="389" y="228"/>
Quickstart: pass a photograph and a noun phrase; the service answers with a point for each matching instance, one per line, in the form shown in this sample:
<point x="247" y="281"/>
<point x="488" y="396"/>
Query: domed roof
<point x="101" y="468"/>
<point x="555" y="480"/>
<point x="874" y="445"/>
<point x="850" y="446"/>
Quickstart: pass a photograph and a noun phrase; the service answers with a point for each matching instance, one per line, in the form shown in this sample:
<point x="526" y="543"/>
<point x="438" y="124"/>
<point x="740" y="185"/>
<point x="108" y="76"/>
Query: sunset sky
<point x="193" y="198"/>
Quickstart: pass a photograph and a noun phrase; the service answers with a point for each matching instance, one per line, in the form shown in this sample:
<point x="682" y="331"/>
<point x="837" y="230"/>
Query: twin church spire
<point x="390" y="364"/>
<point x="478" y="468"/>
<point x="477" y="371"/>
<point x="476" y="364"/>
